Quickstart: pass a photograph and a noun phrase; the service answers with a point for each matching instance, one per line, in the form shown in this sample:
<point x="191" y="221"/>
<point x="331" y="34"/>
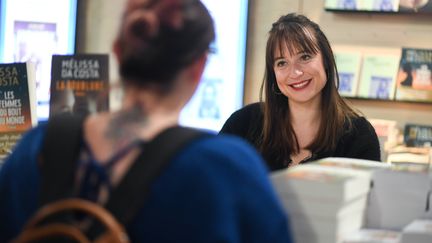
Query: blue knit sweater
<point x="216" y="190"/>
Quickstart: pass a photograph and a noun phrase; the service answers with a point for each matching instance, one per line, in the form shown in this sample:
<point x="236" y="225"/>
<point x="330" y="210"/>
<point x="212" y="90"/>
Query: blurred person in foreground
<point x="215" y="189"/>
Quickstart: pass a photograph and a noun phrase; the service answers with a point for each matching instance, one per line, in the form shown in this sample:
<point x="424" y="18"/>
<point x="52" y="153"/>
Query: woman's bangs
<point x="296" y="39"/>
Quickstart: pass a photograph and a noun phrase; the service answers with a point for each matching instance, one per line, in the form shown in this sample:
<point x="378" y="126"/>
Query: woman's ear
<point x="197" y="68"/>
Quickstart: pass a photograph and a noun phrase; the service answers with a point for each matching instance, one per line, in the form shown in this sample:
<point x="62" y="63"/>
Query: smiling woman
<point x="301" y="116"/>
<point x="301" y="76"/>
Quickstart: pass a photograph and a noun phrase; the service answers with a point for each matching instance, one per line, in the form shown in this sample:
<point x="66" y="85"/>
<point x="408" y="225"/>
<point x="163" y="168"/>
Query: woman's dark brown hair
<point x="158" y="38"/>
<point x="298" y="33"/>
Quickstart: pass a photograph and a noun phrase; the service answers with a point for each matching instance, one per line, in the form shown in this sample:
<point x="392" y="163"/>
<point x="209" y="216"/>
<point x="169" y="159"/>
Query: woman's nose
<point x="295" y="71"/>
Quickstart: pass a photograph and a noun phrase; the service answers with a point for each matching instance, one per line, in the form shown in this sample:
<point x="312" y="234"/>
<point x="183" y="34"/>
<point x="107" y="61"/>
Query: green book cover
<point x="378" y="76"/>
<point x="348" y="65"/>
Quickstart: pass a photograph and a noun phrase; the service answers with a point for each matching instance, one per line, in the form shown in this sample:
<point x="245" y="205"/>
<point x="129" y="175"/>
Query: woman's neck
<point x="305" y="120"/>
<point x="141" y="117"/>
<point x="149" y="113"/>
<point x="307" y="114"/>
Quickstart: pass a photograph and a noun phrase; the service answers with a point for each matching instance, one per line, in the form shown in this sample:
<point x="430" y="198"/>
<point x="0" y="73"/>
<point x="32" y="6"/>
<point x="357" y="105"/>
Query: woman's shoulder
<point x="252" y="109"/>
<point x="242" y="120"/>
<point x="361" y="124"/>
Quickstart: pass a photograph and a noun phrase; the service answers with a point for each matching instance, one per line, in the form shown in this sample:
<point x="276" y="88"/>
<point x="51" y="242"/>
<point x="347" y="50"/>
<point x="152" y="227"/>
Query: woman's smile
<point x="300" y="85"/>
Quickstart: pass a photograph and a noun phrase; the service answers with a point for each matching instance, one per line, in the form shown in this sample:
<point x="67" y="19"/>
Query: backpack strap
<point x="129" y="196"/>
<point x="60" y="150"/>
<point x="63" y="140"/>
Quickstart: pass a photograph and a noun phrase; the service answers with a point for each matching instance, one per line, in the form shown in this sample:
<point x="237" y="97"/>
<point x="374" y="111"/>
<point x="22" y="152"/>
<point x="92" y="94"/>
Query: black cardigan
<point x="360" y="142"/>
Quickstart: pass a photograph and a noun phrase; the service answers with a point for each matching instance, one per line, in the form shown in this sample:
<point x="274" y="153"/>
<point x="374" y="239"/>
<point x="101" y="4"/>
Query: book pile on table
<point x="400" y="194"/>
<point x="373" y="236"/>
<point x="418" y="231"/>
<point x="335" y="200"/>
<point x="324" y="203"/>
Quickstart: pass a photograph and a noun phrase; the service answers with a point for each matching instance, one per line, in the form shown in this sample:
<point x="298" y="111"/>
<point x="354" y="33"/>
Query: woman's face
<point x="300" y="76"/>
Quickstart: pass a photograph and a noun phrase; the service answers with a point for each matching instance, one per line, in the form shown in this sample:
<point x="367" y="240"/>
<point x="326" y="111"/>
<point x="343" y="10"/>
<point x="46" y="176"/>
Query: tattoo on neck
<point x="124" y="127"/>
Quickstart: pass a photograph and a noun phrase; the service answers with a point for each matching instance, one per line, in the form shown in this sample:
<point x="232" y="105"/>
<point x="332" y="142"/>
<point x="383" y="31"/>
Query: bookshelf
<point x="375" y="30"/>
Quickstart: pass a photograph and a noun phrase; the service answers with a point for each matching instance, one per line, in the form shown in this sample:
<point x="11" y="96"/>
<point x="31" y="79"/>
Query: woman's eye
<point x="306" y="57"/>
<point x="280" y="63"/>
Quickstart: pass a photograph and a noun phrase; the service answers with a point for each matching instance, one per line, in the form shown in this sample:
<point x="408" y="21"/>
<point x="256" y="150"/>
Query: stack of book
<point x="324" y="203"/>
<point x="400" y="194"/>
<point x="388" y="135"/>
<point x="418" y="231"/>
<point x="357" y="165"/>
<point x="373" y="236"/>
<point x="404" y="154"/>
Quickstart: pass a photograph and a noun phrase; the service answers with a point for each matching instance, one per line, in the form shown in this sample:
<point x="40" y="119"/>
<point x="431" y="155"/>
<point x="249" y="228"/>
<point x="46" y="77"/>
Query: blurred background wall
<point x="98" y="25"/>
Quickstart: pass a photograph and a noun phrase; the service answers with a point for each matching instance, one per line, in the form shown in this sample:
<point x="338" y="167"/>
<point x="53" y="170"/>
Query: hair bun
<point x="170" y="14"/>
<point x="158" y="38"/>
<point x="141" y="25"/>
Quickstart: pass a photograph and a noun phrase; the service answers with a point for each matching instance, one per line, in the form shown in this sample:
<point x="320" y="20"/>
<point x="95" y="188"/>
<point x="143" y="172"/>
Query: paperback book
<point x="378" y="76"/>
<point x="418" y="231"/>
<point x="416" y="135"/>
<point x="414" y="78"/>
<point x="325" y="203"/>
<point x="399" y="196"/>
<point x="403" y="155"/>
<point x="322" y="183"/>
<point x="79" y="84"/>
<point x="17" y="103"/>
<point x="356" y="165"/>
<point x="373" y="236"/>
<point x="348" y="64"/>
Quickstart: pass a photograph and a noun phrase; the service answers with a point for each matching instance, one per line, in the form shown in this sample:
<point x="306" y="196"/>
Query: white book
<point x="373" y="236"/>
<point x="319" y="209"/>
<point x="354" y="164"/>
<point x="313" y="238"/>
<point x="407" y="157"/>
<point x="321" y="183"/>
<point x="323" y="202"/>
<point x="399" y="195"/>
<point x="418" y="231"/>
<point x="336" y="228"/>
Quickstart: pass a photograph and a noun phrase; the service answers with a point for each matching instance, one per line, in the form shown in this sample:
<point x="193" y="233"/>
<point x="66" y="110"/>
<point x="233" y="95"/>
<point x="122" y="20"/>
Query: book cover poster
<point x="348" y="65"/>
<point x="36" y="42"/>
<point x="79" y="84"/>
<point x="17" y="104"/>
<point x="414" y="79"/>
<point x="378" y="76"/>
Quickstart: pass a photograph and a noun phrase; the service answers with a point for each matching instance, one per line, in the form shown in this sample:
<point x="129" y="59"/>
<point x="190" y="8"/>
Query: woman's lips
<point x="300" y="85"/>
